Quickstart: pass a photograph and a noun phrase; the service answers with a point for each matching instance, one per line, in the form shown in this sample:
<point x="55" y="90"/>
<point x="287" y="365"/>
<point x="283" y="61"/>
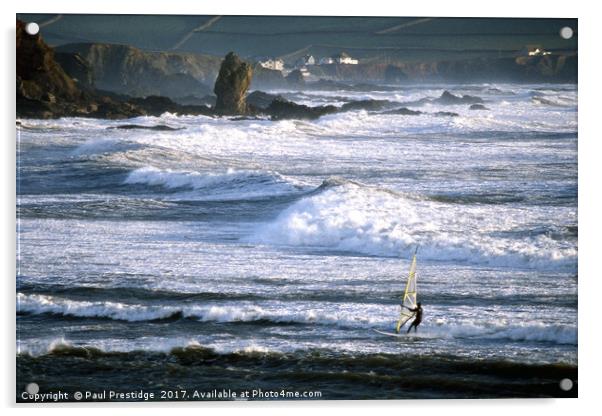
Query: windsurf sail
<point x="409" y="296"/>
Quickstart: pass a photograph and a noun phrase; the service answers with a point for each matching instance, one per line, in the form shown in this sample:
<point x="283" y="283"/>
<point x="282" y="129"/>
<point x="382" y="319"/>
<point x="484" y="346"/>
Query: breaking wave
<point x="234" y="184"/>
<point x="351" y="217"/>
<point x="289" y="314"/>
<point x="43" y="304"/>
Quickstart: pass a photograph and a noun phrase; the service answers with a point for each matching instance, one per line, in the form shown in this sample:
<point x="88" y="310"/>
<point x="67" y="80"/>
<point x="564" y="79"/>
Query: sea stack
<point x="231" y="86"/>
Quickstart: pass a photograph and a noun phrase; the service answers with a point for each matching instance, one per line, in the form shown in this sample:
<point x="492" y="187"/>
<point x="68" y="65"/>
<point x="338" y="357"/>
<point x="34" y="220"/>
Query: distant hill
<point x="549" y="68"/>
<point x="394" y="40"/>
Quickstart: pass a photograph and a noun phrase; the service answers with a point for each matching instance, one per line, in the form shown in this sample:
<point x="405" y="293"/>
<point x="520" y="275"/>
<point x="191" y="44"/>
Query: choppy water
<point x="260" y="254"/>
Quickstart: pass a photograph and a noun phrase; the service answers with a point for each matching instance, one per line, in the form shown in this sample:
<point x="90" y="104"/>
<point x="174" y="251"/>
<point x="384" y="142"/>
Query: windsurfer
<point x="418" y="316"/>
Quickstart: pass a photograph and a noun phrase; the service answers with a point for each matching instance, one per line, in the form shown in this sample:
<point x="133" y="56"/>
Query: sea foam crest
<point x="232" y="183"/>
<point x="367" y="220"/>
<point x="531" y="332"/>
<point x="44" y="304"/>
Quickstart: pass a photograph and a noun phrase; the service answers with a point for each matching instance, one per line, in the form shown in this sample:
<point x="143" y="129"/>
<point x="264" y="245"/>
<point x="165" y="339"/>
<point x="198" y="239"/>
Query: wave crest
<point x="43" y="304"/>
<point x="367" y="220"/>
<point x="231" y="184"/>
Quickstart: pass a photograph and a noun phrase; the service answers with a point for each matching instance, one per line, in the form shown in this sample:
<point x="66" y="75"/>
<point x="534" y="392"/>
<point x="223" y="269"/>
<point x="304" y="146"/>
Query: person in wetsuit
<point x="418" y="311"/>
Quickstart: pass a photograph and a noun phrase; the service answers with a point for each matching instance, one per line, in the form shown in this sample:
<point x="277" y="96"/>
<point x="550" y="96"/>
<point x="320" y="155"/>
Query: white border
<point x="589" y="200"/>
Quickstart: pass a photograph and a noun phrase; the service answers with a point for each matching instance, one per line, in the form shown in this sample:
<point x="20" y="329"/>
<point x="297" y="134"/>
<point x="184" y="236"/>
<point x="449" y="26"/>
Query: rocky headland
<point x="54" y="84"/>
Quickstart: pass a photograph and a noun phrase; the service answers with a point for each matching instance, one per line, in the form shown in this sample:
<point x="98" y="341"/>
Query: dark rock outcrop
<point x="447" y="98"/>
<point x="478" y="107"/>
<point x="403" y="111"/>
<point x="445" y="114"/>
<point x="158" y="127"/>
<point x="281" y="109"/>
<point x="156" y="105"/>
<point x="261" y="100"/>
<point x="231" y="86"/>
<point x="368" y="105"/>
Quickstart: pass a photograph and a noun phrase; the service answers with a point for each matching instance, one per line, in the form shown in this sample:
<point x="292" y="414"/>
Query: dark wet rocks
<point x="158" y="127"/>
<point x="403" y="111"/>
<point x="156" y="105"/>
<point x="478" y="107"/>
<point x="445" y="114"/>
<point x="368" y="105"/>
<point x="280" y="109"/>
<point x="447" y="98"/>
<point x="261" y="100"/>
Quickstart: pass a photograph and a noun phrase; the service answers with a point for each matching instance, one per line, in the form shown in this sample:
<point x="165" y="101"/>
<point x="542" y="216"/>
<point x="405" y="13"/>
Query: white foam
<point x="371" y="221"/>
<point x="531" y="331"/>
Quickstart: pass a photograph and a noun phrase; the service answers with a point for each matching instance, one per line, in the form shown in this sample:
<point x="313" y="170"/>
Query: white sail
<point x="409" y="296"/>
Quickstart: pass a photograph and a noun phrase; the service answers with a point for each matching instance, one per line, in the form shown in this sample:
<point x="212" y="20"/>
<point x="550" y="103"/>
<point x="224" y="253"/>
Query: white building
<point x="274" y="64"/>
<point x="344" y="59"/>
<point x="305" y="61"/>
<point x="536" y="50"/>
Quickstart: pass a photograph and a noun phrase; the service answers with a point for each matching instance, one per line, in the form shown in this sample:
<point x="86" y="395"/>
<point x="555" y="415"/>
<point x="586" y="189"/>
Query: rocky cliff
<point x="128" y="70"/>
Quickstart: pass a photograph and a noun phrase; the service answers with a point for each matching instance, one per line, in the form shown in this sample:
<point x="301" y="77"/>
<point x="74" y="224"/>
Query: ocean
<point x="253" y="255"/>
